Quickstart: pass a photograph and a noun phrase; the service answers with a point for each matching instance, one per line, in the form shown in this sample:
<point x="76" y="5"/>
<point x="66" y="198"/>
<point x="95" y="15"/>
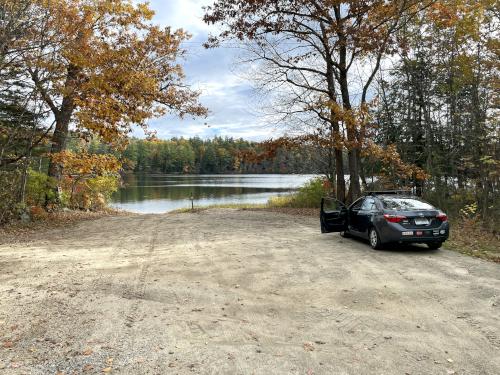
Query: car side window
<point x="369" y="205"/>
<point x="332" y="205"/>
<point x="357" y="205"/>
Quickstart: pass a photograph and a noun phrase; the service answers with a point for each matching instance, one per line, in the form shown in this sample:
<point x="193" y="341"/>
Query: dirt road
<point x="240" y="292"/>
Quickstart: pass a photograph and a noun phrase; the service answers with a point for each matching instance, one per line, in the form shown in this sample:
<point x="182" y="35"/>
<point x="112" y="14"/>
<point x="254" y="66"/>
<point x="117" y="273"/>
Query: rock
<point x="25" y="217"/>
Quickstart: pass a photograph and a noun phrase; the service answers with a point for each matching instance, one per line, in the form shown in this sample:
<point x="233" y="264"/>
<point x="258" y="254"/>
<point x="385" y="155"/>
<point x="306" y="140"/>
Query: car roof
<point x="394" y="196"/>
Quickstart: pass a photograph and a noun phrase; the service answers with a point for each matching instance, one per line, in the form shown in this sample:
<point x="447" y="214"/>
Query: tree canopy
<point x="101" y="65"/>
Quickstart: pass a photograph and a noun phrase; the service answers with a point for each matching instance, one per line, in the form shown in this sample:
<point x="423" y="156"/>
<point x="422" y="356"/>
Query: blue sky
<point x="227" y="96"/>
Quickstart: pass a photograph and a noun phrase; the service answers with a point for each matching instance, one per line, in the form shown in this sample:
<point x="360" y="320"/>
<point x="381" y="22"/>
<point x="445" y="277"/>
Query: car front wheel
<point x="374" y="239"/>
<point x="345" y="234"/>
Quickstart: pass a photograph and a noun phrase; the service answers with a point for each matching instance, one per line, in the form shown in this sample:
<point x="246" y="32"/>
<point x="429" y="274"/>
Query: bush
<point x="38" y="213"/>
<point x="39" y="188"/>
<point x="10" y="181"/>
<point x="308" y="196"/>
<point x="100" y="190"/>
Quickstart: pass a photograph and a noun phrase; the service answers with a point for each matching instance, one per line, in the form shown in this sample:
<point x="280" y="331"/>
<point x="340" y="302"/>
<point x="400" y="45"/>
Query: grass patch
<point x="308" y="196"/>
<point x="471" y="238"/>
<point x="313" y="212"/>
<point x="238" y="206"/>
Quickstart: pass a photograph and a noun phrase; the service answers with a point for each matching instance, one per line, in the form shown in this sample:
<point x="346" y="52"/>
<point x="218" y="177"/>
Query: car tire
<point x="374" y="239"/>
<point x="434" y="245"/>
<point x="323" y="230"/>
<point x="345" y="234"/>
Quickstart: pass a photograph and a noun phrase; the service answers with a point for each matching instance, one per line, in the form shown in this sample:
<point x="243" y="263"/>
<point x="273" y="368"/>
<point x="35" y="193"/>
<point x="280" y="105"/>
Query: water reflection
<point x="157" y="193"/>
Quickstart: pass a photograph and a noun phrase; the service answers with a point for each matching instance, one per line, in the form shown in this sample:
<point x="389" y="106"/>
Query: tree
<point x="312" y="50"/>
<point x="104" y="67"/>
<point x="439" y="104"/>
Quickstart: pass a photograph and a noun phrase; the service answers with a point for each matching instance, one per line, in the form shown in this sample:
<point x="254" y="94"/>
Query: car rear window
<point x="404" y="204"/>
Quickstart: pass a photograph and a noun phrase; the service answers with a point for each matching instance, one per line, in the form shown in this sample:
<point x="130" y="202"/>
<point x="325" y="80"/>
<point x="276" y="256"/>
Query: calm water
<point x="157" y="193"/>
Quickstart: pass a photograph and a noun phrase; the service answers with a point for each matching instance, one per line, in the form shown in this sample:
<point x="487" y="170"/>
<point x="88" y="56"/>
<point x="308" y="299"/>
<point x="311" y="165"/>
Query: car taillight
<point x="442" y="217"/>
<point x="394" y="218"/>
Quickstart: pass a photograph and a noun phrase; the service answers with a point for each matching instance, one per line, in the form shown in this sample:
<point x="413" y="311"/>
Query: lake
<point x="158" y="193"/>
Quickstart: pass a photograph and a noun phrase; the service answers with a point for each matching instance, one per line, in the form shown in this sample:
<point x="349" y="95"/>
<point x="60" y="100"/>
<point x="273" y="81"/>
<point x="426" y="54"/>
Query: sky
<point x="227" y="95"/>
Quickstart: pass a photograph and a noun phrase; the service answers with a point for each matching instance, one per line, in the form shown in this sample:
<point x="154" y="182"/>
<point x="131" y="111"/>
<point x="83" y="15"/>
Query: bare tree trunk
<point x="361" y="170"/>
<point x="354" y="185"/>
<point x="63" y="119"/>
<point x="335" y="134"/>
<point x="59" y="143"/>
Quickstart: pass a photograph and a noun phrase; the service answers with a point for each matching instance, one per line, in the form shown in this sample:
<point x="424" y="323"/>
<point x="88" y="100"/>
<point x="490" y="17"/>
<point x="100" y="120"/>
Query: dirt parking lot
<point x="240" y="292"/>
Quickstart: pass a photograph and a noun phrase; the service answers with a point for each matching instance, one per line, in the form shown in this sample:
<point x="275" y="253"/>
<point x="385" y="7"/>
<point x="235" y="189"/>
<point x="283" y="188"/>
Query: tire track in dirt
<point x="104" y="281"/>
<point x="54" y="302"/>
<point x="139" y="290"/>
<point x="489" y="335"/>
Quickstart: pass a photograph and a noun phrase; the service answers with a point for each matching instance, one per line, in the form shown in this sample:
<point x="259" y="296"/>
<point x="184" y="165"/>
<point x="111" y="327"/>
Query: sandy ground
<point x="240" y="292"/>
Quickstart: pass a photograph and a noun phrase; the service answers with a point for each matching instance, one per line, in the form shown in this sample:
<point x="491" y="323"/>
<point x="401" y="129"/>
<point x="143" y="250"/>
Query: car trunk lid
<point x="421" y="219"/>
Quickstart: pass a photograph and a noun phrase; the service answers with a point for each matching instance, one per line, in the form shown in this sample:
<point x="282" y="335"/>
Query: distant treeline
<point x="218" y="155"/>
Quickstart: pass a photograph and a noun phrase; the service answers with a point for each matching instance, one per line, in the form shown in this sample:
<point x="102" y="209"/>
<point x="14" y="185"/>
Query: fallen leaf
<point x="308" y="346"/>
<point x="7" y="344"/>
<point x="88" y="351"/>
<point x="107" y="370"/>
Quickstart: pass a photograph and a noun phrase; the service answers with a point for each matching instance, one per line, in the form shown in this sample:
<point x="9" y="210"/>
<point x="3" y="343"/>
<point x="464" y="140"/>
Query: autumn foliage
<point x="313" y="51"/>
<point x="103" y="66"/>
<point x="87" y="179"/>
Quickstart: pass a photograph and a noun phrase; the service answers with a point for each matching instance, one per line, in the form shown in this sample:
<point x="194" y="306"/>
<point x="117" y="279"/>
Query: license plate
<point x="421" y="221"/>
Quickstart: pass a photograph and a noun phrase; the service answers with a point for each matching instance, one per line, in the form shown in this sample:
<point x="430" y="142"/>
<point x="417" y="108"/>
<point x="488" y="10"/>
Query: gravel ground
<point x="240" y="292"/>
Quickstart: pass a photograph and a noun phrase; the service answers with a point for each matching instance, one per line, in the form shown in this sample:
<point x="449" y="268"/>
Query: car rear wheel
<point x="434" y="245"/>
<point x="374" y="239"/>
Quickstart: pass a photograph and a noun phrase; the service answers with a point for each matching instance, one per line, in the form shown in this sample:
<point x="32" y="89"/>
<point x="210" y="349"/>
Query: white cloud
<point x="228" y="97"/>
<point x="182" y="14"/>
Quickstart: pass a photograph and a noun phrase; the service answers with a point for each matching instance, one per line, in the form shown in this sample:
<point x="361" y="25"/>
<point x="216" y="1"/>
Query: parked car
<point x="386" y="217"/>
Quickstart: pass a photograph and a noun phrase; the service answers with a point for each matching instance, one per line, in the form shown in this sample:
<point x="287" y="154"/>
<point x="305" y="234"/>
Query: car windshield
<point x="404" y="204"/>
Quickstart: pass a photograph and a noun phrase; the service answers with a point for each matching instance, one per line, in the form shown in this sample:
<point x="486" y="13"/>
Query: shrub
<point x="10" y="181"/>
<point x="100" y="190"/>
<point x="39" y="188"/>
<point x="38" y="213"/>
<point x="308" y="196"/>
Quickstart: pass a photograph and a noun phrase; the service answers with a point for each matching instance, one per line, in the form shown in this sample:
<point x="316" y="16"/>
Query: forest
<point x="404" y="91"/>
<point x="217" y="155"/>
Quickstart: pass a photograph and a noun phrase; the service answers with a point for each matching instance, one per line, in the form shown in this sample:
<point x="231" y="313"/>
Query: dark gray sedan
<point x="386" y="217"/>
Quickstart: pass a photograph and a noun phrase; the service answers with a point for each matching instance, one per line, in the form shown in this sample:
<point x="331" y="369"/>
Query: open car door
<point x="333" y="216"/>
